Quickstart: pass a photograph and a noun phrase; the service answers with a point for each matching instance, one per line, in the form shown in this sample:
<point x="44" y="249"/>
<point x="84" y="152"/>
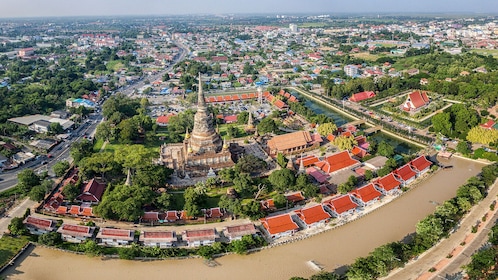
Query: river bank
<point x="331" y="249"/>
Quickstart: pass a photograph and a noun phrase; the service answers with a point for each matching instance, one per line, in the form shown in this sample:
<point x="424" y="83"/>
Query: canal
<point x="400" y="146"/>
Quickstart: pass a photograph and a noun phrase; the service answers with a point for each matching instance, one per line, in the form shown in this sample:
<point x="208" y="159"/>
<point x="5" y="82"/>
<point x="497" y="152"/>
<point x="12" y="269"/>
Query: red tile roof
<point x="488" y="125"/>
<point x="419" y="98"/>
<point x="75" y="230"/>
<point x="337" y="162"/>
<point x="341" y="204"/>
<point x="268" y="204"/>
<point x="279" y="224"/>
<point x="200" y="234"/>
<point x="366" y="193"/>
<point x="150" y="217"/>
<point x="240" y="230"/>
<point x="405" y="172"/>
<point x="389" y="182"/>
<point x="92" y="192"/>
<point x="313" y="214"/>
<point x="115" y="232"/>
<point x="39" y="223"/>
<point x="157" y="235"/>
<point x="420" y="163"/>
<point x="230" y="119"/>
<point x="357" y="97"/>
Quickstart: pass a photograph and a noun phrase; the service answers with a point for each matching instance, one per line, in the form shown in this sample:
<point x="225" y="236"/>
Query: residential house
<point x="162" y="239"/>
<point x="200" y="237"/>
<point x="406" y="174"/>
<point x="279" y="226"/>
<point x="164" y="119"/>
<point x="389" y="184"/>
<point x="337" y="162"/>
<point x="150" y="217"/>
<point x="40" y="126"/>
<point x="421" y="165"/>
<point x="366" y="195"/>
<point x="115" y="237"/>
<point x="39" y="226"/>
<point x="92" y="192"/>
<point x="341" y="206"/>
<point x="237" y="232"/>
<point x="75" y="233"/>
<point x="313" y="216"/>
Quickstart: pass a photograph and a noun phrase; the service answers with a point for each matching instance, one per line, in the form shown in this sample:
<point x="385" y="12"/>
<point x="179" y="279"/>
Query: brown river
<point x="332" y="249"/>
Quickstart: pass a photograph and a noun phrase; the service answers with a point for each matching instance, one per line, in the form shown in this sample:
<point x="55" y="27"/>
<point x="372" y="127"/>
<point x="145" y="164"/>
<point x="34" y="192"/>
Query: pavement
<point x="17" y="211"/>
<point x="460" y="245"/>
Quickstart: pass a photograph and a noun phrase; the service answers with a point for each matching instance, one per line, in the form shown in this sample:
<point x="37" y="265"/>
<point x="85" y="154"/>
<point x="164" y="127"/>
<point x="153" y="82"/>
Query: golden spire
<point x="187" y="134"/>
<point x="225" y="145"/>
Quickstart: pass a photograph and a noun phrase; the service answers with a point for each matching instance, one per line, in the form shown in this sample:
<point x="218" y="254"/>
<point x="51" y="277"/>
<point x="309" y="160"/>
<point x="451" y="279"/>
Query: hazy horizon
<point x="68" y="8"/>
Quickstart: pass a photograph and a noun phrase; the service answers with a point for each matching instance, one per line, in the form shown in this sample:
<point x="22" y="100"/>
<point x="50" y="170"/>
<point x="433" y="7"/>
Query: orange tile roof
<point x="308" y="160"/>
<point x="359" y="152"/>
<point x="253" y="95"/>
<point x="280" y="104"/>
<point x="331" y="137"/>
<point x="75" y="228"/>
<point x="75" y="210"/>
<point x="87" y="211"/>
<point x="367" y="193"/>
<point x="295" y="196"/>
<point x="420" y="163"/>
<point x="171" y="216"/>
<point x="219" y="98"/>
<point x="337" y="162"/>
<point x="405" y="172"/>
<point x="61" y="210"/>
<point x="290" y="140"/>
<point x="279" y="224"/>
<point x="313" y="214"/>
<point x="244" y="96"/>
<point x="389" y="182"/>
<point x="362" y="96"/>
<point x="342" y="204"/>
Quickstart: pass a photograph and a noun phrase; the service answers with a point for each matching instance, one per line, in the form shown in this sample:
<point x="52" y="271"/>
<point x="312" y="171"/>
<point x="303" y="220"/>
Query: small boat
<point x="314" y="265"/>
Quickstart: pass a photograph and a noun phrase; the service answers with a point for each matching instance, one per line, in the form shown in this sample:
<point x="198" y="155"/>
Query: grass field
<point x="9" y="246"/>
<point x="366" y="56"/>
<point x="494" y="53"/>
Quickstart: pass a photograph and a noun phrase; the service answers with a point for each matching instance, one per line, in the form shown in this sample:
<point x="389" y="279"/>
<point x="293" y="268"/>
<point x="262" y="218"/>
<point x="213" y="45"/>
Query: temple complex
<point x="202" y="151"/>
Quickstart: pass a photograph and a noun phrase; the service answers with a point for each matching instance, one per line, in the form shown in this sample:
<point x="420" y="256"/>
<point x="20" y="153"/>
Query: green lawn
<point x="9" y="246"/>
<point x="98" y="145"/>
<point x="494" y="53"/>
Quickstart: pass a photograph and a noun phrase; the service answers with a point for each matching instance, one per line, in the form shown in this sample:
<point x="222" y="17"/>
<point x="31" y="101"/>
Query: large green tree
<point x="282" y="179"/>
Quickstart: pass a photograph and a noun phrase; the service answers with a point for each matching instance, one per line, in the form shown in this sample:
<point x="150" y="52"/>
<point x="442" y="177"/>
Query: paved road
<point x="17" y="211"/>
<point x="436" y="256"/>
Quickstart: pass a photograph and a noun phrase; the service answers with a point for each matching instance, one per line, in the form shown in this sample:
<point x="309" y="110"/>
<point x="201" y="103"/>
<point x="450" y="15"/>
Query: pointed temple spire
<point x="200" y="95"/>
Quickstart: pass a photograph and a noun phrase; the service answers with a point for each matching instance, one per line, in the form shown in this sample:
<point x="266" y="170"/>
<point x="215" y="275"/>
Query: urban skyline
<point x="57" y="8"/>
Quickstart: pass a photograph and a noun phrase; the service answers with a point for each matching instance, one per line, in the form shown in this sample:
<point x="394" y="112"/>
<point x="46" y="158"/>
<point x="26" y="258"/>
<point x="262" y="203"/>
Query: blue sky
<point x="40" y="8"/>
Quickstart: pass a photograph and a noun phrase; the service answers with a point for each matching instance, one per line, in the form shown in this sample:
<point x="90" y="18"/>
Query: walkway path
<point x="437" y="256"/>
<point x="17" y="211"/>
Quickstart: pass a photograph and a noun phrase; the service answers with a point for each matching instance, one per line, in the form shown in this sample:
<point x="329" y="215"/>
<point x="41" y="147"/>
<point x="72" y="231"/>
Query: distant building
<point x="200" y="237"/>
<point x="115" y="237"/>
<point x="39" y="226"/>
<point x="75" y="233"/>
<point x="162" y="239"/>
<point x="351" y="70"/>
<point x="293" y="143"/>
<point x="357" y="97"/>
